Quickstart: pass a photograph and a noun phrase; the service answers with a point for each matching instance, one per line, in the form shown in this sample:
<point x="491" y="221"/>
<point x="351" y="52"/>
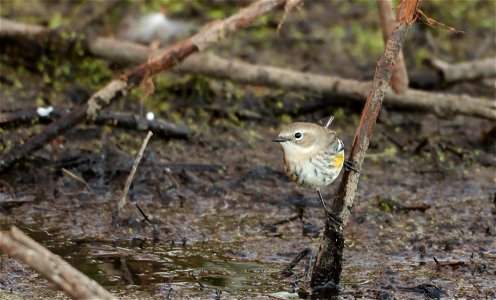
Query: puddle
<point x="118" y="265"/>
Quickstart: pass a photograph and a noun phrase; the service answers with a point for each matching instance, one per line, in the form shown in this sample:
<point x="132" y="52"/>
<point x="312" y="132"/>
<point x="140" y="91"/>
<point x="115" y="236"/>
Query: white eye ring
<point x="298" y="135"/>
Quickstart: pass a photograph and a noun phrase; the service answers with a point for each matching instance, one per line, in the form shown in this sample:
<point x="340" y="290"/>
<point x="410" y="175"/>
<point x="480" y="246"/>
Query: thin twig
<point x="147" y="219"/>
<point x="288" y="271"/>
<point x="476" y="287"/>
<point x="77" y="178"/>
<point x="122" y="200"/>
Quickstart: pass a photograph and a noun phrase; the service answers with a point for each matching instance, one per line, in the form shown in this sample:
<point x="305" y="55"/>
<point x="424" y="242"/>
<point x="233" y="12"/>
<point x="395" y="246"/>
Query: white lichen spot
<point x="44" y="111"/>
<point x="150" y="116"/>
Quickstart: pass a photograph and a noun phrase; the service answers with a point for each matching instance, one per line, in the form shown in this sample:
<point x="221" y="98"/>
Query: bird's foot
<point x="351" y="166"/>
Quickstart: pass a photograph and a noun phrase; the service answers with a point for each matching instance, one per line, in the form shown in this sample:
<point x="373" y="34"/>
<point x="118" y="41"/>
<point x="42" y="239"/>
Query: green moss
<point x="95" y="71"/>
<point x="286" y="119"/>
<point x="56" y="20"/>
<point x="339" y="114"/>
<point x="368" y="42"/>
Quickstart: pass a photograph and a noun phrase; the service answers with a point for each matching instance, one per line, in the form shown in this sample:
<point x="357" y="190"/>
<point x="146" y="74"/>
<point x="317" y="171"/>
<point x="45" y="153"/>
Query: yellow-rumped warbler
<point x="313" y="154"/>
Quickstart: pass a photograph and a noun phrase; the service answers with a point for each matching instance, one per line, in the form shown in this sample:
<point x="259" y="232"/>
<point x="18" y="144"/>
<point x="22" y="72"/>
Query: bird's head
<point x="302" y="138"/>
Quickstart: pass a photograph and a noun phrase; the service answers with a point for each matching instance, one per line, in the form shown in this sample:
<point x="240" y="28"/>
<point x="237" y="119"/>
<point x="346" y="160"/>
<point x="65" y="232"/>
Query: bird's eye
<point x="298" y="136"/>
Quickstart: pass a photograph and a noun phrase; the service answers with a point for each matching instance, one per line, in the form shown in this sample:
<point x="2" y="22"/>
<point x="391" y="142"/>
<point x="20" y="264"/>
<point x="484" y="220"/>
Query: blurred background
<point x="215" y="190"/>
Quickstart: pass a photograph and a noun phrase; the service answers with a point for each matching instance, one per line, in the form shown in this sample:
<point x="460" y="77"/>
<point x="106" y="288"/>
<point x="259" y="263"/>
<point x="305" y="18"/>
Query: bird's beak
<point x="280" y="139"/>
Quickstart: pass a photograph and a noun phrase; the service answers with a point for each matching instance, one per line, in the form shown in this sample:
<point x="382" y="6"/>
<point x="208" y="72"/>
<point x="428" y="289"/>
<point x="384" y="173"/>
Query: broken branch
<point x="74" y="283"/>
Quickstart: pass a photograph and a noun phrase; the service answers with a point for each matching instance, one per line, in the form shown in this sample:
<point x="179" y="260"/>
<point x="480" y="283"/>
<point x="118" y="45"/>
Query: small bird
<point x="313" y="154"/>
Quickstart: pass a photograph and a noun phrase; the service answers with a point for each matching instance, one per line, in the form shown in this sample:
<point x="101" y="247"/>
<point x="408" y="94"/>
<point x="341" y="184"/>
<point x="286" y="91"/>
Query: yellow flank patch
<point x="338" y="161"/>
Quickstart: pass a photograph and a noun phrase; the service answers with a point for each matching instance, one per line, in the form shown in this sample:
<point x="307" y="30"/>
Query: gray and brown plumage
<point x="313" y="154"/>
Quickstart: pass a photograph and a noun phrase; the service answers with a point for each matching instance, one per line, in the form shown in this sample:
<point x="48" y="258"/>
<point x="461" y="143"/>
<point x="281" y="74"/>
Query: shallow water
<point x="116" y="265"/>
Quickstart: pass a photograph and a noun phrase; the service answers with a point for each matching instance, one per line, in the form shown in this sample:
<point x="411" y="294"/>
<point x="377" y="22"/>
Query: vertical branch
<point x="327" y="270"/>
<point x="399" y="79"/>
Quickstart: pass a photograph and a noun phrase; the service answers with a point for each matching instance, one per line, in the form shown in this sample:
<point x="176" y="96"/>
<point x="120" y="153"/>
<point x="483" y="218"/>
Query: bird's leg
<point x="328" y="213"/>
<point x="322" y="201"/>
<point x="351" y="166"/>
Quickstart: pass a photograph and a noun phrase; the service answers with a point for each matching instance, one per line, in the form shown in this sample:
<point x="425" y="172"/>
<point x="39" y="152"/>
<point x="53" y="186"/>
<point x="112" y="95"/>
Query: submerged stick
<point x="122" y="200"/>
<point x="74" y="283"/>
<point x="328" y="264"/>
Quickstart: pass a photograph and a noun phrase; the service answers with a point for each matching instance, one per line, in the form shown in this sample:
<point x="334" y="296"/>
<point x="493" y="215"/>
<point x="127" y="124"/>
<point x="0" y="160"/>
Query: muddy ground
<point x="423" y="223"/>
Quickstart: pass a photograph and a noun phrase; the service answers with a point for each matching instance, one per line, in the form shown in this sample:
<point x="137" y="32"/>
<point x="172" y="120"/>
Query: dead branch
<point x="470" y="70"/>
<point x="214" y="66"/>
<point x="74" y="283"/>
<point x="160" y="127"/>
<point x="399" y="80"/>
<point x="119" y="87"/>
<point x="328" y="263"/>
<point x="122" y="199"/>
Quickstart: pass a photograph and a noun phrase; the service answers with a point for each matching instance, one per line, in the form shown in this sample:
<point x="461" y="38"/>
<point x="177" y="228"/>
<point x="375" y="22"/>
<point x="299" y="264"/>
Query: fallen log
<point x="442" y="104"/>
